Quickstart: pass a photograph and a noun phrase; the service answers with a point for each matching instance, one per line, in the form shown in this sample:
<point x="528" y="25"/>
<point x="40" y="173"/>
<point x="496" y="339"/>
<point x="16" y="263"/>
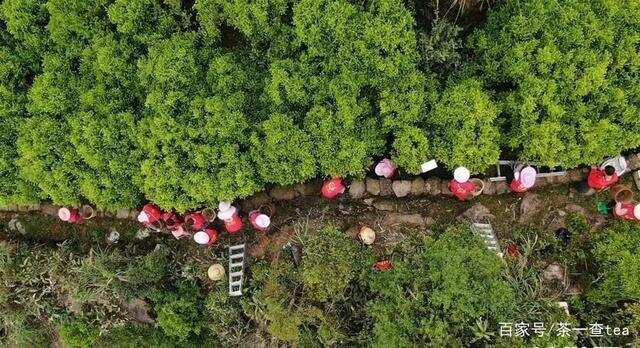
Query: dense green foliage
<point x="463" y="124"/>
<point x="568" y="72"/>
<point x="445" y="289"/>
<point x="452" y="283"/>
<point x="189" y="103"/>
<point x="618" y="255"/>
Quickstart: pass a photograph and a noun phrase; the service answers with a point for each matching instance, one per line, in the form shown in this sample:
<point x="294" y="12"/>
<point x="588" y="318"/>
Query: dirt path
<point x="392" y="219"/>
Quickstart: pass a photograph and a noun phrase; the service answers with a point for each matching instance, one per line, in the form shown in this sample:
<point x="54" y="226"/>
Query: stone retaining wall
<point x="357" y="189"/>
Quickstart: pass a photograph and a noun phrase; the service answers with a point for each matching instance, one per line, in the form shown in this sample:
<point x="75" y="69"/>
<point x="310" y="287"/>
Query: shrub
<point x="25" y="20"/>
<point x="48" y="160"/>
<point x="149" y="269"/>
<point x="463" y="127"/>
<point x="282" y="152"/>
<point x="327" y="263"/>
<point x="73" y="23"/>
<point x="225" y="316"/>
<point x="618" y="261"/>
<point x="147" y="20"/>
<point x="340" y="142"/>
<point x="566" y="70"/>
<point x="179" y="310"/>
<point x="78" y="333"/>
<point x="195" y="135"/>
<point x="411" y="148"/>
<point x="437" y="294"/>
<point x="259" y="21"/>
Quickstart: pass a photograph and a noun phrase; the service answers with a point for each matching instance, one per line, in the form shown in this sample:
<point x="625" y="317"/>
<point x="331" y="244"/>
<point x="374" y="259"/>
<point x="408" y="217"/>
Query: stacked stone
<point x="357" y="189"/>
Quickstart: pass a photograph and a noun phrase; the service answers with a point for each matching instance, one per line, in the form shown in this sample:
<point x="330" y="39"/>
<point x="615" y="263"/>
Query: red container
<point x="259" y="221"/>
<point x="332" y="188"/>
<point x="383" y="265"/>
<point x="462" y="191"/>
<point x="232" y="220"/>
<point x="195" y="221"/>
<point x="208" y="236"/>
<point x="70" y="215"/>
<point x="171" y="220"/>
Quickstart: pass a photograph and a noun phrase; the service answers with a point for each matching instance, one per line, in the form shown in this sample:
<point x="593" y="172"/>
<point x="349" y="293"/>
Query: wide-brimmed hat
<point x="202" y="237"/>
<point x="215" y="271"/>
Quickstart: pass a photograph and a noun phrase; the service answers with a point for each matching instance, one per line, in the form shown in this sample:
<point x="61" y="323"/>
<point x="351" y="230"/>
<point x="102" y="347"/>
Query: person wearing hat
<point x="70" y="215"/>
<point x="460" y="186"/>
<point x="627" y="211"/>
<point x="229" y="215"/>
<point x="332" y="188"/>
<point x="259" y="221"/>
<point x="601" y="179"/>
<point x="523" y="179"/>
<point x="208" y="236"/>
<point x="386" y="168"/>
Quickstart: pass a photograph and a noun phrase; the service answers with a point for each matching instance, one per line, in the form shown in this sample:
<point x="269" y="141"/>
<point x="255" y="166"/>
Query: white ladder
<point x="236" y="269"/>
<point x="485" y="231"/>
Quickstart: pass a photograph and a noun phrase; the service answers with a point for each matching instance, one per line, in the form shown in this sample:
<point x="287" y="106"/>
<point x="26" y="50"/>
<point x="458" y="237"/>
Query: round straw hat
<point x="215" y="272"/>
<point x="367" y="235"/>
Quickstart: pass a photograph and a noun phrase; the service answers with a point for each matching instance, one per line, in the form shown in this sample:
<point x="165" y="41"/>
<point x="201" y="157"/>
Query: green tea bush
<point x="566" y="72"/>
<point x="327" y="266"/>
<point x="147" y="20"/>
<point x="282" y="151"/>
<point x="463" y="127"/>
<point x="190" y="103"/>
<point x="437" y="294"/>
<point x="618" y="261"/>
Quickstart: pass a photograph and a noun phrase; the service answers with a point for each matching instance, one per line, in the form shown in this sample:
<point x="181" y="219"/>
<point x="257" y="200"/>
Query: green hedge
<point x="114" y="101"/>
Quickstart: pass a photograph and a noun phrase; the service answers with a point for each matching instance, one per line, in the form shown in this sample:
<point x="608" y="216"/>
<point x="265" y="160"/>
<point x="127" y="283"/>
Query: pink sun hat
<point x="64" y="214"/>
<point x="528" y="176"/>
<point x="385" y="168"/>
<point x="263" y="221"/>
